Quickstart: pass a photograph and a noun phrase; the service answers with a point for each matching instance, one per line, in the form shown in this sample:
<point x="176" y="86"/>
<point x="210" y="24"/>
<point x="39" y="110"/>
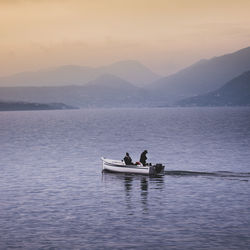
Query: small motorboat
<point x="121" y="167"/>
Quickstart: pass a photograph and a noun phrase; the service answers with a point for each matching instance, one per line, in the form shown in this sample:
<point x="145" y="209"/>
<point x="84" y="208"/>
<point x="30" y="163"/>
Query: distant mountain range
<point x="234" y="93"/>
<point x="201" y="77"/>
<point x="105" y="91"/>
<point x="17" y="106"/>
<point x="131" y="71"/>
<point x="126" y="84"/>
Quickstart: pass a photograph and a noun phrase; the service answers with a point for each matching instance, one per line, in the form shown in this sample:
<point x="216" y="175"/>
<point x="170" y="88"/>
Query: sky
<point x="165" y="35"/>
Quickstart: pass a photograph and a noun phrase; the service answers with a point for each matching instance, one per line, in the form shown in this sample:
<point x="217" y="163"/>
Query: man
<point x="143" y="157"/>
<point x="127" y="159"/>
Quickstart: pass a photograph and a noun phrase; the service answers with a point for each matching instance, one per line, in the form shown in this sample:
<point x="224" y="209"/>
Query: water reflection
<point x="128" y="187"/>
<point x="134" y="186"/>
<point x="158" y="182"/>
<point x="144" y="194"/>
<point x="128" y="184"/>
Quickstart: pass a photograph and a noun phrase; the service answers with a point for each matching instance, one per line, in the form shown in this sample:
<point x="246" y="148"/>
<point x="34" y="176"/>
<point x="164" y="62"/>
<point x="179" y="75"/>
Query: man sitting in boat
<point x="143" y="157"/>
<point x="127" y="159"/>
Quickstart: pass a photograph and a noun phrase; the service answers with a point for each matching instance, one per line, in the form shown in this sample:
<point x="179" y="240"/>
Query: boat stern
<point x="157" y="169"/>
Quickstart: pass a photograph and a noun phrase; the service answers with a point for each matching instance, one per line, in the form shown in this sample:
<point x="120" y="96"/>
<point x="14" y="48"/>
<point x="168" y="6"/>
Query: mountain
<point x="105" y="91"/>
<point x="123" y="84"/>
<point x="65" y="75"/>
<point x="234" y="93"/>
<point x="107" y="81"/>
<point x="201" y="77"/>
<point x="112" y="91"/>
<point x="14" y="106"/>
<point x="131" y="71"/>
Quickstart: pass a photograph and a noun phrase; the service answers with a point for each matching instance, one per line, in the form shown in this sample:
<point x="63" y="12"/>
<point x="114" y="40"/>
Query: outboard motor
<point x="159" y="168"/>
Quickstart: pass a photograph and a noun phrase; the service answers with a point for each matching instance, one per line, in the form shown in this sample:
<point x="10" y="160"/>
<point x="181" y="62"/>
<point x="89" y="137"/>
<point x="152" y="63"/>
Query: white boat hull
<point x="121" y="167"/>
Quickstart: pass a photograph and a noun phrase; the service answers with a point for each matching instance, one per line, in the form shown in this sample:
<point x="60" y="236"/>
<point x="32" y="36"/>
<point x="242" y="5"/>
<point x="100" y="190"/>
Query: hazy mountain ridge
<point x="106" y="91"/>
<point x="234" y="93"/>
<point x="110" y="81"/>
<point x="109" y="90"/>
<point x="131" y="71"/>
<point x="201" y="77"/>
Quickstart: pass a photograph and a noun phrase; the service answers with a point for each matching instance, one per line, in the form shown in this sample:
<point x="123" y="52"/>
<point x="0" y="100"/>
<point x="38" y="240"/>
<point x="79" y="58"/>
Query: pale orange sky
<point x="162" y="34"/>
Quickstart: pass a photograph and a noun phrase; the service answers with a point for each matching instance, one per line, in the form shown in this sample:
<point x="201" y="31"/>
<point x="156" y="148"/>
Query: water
<point x="53" y="194"/>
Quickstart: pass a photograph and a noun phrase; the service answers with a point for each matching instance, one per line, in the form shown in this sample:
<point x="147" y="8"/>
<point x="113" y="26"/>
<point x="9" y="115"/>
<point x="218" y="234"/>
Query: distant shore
<point x="22" y="106"/>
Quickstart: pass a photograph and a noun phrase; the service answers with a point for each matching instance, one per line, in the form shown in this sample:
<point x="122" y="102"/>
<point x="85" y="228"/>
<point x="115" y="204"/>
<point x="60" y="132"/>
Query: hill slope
<point x="105" y="91"/>
<point x="234" y="93"/>
<point x="131" y="71"/>
<point x="202" y="77"/>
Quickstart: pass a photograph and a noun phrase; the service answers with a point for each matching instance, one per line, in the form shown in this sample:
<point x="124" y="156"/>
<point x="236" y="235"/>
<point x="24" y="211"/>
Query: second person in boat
<point x="127" y="159"/>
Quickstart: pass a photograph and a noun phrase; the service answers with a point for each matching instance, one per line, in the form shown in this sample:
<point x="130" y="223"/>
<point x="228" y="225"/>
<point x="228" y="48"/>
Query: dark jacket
<point x="128" y="160"/>
<point x="143" y="158"/>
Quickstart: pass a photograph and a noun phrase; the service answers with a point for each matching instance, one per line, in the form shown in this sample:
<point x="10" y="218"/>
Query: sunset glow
<point x="164" y="35"/>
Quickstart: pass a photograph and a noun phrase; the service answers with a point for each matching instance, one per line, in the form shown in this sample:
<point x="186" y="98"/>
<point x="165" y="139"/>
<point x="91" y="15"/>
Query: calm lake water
<point x="53" y="194"/>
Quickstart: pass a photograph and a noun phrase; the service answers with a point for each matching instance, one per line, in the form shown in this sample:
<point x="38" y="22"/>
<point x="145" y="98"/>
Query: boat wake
<point x="226" y="174"/>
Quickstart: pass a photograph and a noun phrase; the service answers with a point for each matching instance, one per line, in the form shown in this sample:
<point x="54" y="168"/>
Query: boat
<point x="138" y="168"/>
